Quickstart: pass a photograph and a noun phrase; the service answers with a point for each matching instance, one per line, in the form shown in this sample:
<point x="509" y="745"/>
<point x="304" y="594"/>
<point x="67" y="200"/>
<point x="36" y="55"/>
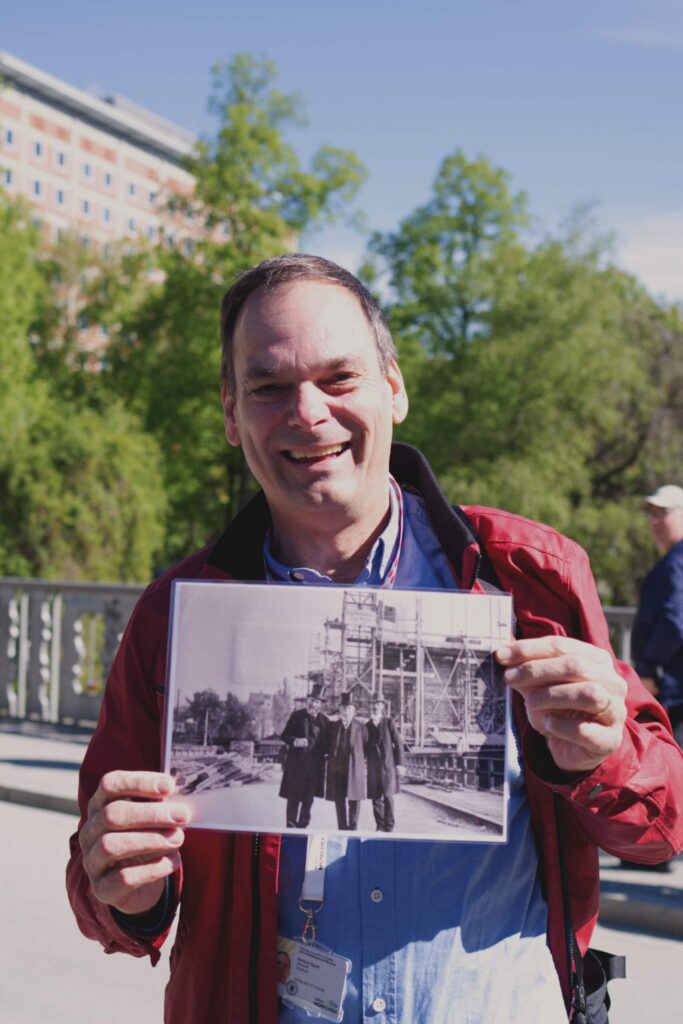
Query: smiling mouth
<point x="309" y="455"/>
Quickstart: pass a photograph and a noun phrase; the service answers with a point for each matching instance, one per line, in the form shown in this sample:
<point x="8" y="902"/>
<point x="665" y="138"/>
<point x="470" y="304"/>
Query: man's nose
<point x="309" y="406"/>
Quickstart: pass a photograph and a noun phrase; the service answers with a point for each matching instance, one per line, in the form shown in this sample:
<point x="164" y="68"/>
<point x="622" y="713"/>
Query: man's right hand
<point x="131" y="839"/>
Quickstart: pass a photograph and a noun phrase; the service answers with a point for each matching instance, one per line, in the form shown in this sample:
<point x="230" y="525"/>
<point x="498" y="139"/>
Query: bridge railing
<point x="58" y="640"/>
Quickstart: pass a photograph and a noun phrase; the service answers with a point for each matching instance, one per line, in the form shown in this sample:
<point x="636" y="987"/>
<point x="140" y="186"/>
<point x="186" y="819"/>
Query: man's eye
<point x="267" y="390"/>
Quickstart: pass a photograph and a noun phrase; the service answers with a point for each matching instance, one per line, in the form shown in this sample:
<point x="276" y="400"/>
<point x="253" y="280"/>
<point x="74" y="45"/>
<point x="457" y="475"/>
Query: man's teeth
<point x="315" y="453"/>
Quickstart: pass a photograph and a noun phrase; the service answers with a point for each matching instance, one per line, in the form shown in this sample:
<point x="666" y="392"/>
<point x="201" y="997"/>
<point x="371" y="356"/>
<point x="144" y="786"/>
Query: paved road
<point x="50" y="974"/>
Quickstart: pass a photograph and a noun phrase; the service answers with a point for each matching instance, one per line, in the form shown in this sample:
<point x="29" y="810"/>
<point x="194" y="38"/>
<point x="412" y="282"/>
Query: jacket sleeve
<point x="630" y="805"/>
<point x="128" y="736"/>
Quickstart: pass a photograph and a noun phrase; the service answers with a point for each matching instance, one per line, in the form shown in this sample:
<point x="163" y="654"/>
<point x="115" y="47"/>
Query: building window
<point x="151" y="233"/>
<point x="8" y="177"/>
<point x="108" y="179"/>
<point x="85" y="241"/>
<point x="188" y="246"/>
<point x="38" y="148"/>
<point x="61" y="159"/>
<point x="37" y="188"/>
<point x="87" y="170"/>
<point x="60" y="197"/>
<point x="131" y="224"/>
<point x="9" y="137"/>
<point x="131" y="189"/>
<point x="86" y="207"/>
<point x="152" y="198"/>
<point x="106" y="213"/>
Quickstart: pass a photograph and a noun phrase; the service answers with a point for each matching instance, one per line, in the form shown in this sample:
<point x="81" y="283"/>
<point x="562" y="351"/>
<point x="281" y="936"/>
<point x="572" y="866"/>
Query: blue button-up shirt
<point x="437" y="932"/>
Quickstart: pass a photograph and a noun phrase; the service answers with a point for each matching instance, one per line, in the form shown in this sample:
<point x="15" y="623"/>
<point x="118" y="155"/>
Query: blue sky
<point x="579" y="102"/>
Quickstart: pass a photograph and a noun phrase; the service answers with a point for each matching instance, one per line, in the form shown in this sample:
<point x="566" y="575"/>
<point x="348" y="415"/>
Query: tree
<point x="534" y="366"/>
<point x="80" y="492"/>
<point x="252" y="199"/>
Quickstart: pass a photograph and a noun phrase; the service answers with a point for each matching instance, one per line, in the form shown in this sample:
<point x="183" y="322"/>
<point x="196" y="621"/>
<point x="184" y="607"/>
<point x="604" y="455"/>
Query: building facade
<point x="100" y="167"/>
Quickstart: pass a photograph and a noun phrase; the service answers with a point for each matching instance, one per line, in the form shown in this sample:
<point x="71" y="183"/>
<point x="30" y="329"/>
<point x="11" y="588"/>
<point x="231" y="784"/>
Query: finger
<point x="592" y="737"/>
<point x="515" y="652"/>
<point x="587" y="698"/>
<point x="128" y="816"/>
<point x="120" y="885"/>
<point x="566" y="668"/>
<point x="140" y="785"/>
<point x="115" y="847"/>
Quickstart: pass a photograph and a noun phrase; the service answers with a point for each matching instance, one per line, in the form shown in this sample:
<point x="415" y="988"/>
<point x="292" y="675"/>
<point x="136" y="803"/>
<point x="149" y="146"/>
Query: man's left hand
<point x="573" y="695"/>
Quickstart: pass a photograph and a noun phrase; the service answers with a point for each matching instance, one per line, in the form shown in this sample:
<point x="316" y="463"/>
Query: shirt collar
<point x="373" y="573"/>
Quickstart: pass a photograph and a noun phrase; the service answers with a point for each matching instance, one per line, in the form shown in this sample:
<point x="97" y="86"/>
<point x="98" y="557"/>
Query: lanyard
<point x="314" y="884"/>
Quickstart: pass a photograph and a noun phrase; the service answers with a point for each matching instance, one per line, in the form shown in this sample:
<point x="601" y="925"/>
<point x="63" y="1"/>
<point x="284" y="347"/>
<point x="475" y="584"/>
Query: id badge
<point x="312" y="977"/>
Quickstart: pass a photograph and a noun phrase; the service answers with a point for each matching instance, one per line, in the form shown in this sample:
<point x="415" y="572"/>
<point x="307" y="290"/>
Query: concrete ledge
<point x="44" y="801"/>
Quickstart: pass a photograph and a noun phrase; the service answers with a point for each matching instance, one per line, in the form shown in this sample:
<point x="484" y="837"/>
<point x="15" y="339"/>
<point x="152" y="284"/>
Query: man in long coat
<point x="384" y="752"/>
<point x="302" y="779"/>
<point x="345" y="746"/>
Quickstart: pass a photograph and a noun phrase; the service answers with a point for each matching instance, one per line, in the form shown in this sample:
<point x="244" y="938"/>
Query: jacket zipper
<point x="255" y="930"/>
<point x="577" y="992"/>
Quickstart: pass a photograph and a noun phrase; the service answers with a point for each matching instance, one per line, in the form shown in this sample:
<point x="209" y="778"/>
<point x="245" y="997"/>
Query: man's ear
<point x="231" y="431"/>
<point x="399" y="395"/>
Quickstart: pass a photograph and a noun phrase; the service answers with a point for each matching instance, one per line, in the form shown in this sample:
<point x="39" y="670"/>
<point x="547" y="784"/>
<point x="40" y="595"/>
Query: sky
<point x="580" y="102"/>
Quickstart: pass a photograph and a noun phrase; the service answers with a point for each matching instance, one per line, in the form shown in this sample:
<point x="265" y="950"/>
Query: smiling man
<point x="437" y="933"/>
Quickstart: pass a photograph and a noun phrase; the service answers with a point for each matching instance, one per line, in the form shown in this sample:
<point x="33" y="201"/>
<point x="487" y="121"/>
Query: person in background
<point x="657" y="636"/>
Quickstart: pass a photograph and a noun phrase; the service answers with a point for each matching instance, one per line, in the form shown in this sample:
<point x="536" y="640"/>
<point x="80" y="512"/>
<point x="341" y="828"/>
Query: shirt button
<point x="596" y="791"/>
<point x="377" y="896"/>
<point x="379" y="1005"/>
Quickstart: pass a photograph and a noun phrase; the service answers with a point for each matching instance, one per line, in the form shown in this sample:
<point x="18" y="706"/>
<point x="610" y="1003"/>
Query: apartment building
<point x="100" y="167"/>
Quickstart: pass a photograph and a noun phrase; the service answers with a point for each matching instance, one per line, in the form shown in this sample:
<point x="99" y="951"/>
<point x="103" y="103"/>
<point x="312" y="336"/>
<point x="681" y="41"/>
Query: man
<point x="384" y="751"/>
<point x="657" y="637"/>
<point x="345" y="745"/>
<point x="302" y="777"/>
<point x="435" y="932"/>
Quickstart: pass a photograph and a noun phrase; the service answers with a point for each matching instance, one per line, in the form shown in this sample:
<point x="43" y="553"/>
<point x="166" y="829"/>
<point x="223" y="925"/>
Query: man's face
<point x="346" y="713"/>
<point x="666" y="526"/>
<point x="376" y="712"/>
<point x="312" y="408"/>
<point x="313" y="706"/>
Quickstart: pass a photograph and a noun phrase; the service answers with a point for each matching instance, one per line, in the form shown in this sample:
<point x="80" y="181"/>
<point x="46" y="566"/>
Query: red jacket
<point x="223" y="962"/>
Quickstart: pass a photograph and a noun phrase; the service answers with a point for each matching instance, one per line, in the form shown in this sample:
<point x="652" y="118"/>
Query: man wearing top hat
<point x="384" y="751"/>
<point x="345" y="746"/>
<point x="302" y="779"/>
<point x="657" y="637"/>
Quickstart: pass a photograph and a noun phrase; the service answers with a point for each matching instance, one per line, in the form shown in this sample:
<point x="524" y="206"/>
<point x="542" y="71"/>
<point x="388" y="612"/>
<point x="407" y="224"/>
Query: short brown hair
<point x="280" y="270"/>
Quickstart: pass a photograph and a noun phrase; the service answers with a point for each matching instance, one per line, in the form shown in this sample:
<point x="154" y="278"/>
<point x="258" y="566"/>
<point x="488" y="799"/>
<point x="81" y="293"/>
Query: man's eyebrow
<point x="266" y="371"/>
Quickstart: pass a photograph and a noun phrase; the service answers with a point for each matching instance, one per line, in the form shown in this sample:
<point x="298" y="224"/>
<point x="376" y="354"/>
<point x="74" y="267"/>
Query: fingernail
<point x="165" y="786"/>
<point x="180" y="814"/>
<point x="504" y="653"/>
<point x="511" y="675"/>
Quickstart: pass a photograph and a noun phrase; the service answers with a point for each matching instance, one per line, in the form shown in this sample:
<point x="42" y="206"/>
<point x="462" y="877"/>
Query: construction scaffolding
<point x="441" y="691"/>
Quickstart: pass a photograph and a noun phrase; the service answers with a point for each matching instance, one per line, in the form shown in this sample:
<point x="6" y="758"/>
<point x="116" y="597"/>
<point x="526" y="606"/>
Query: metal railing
<point x="58" y="640"/>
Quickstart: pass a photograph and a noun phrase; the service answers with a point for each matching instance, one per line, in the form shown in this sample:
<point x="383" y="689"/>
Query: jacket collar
<point x="239" y="550"/>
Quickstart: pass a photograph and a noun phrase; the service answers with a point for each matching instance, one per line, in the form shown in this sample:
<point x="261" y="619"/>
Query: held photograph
<point x="339" y="709"/>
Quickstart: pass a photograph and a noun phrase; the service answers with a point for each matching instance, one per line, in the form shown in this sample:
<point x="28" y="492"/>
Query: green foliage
<point x="535" y="369"/>
<point x="80" y="489"/>
<point x="252" y="198"/>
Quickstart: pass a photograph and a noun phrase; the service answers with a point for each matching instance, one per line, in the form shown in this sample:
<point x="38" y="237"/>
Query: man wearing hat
<point x="303" y="775"/>
<point x="384" y="751"/>
<point x="345" y="747"/>
<point x="657" y="638"/>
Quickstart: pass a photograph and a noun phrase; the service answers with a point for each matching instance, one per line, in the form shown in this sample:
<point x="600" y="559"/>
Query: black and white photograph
<point x="339" y="709"/>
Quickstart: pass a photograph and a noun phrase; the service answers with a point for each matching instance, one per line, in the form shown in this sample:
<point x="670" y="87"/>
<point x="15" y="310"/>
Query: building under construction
<point x="443" y="692"/>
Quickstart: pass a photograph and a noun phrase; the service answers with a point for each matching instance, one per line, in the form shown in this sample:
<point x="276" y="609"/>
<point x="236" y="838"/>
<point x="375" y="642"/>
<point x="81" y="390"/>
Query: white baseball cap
<point x="668" y="496"/>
